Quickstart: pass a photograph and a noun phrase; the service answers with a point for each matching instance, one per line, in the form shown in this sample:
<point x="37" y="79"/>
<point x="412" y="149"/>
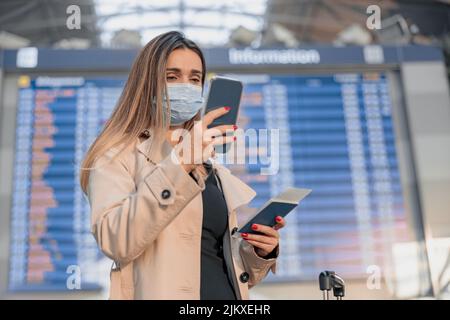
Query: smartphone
<point x="280" y="205"/>
<point x="224" y="92"/>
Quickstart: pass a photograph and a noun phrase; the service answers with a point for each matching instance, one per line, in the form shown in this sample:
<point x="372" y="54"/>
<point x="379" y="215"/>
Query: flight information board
<point x="335" y="135"/>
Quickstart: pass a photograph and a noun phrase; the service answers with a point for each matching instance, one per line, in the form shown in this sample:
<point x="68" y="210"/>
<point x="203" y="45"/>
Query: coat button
<point x="244" y="277"/>
<point x="234" y="231"/>
<point x="165" y="194"/>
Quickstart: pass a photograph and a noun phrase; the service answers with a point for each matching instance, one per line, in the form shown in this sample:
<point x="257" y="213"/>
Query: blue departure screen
<point x="335" y="135"/>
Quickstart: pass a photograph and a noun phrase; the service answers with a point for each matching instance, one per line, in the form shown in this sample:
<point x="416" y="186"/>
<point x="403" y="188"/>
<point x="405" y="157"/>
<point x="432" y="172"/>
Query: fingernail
<point x="227" y="108"/>
<point x="244" y="235"/>
<point x="254" y="226"/>
<point x="234" y="138"/>
<point x="278" y="219"/>
<point x="234" y="127"/>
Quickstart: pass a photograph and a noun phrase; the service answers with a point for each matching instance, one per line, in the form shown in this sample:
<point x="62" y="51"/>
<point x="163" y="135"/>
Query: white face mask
<point x="185" y="101"/>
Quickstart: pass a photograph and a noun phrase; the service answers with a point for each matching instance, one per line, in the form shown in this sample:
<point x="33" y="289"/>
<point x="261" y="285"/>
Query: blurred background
<point x="358" y="89"/>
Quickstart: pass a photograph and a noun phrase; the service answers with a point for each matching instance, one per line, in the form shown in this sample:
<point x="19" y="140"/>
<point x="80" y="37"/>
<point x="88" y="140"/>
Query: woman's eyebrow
<point x="197" y="72"/>
<point x="176" y="70"/>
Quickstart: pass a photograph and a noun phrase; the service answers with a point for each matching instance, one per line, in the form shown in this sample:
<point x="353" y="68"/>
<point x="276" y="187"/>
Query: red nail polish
<point x="227" y="108"/>
<point x="244" y="235"/>
<point x="278" y="219"/>
<point x="234" y="138"/>
<point x="254" y="226"/>
<point x="234" y="127"/>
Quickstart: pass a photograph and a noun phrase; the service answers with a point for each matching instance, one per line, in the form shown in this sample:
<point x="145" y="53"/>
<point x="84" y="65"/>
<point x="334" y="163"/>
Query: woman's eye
<point x="171" y="78"/>
<point x="195" y="80"/>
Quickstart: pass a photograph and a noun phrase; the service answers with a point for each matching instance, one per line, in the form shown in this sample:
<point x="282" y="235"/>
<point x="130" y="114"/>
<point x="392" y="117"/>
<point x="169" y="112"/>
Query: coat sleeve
<point x="126" y="217"/>
<point x="256" y="266"/>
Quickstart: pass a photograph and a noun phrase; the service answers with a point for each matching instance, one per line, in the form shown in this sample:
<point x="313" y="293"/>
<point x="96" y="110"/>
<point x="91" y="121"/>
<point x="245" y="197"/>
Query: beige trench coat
<point x="146" y="215"/>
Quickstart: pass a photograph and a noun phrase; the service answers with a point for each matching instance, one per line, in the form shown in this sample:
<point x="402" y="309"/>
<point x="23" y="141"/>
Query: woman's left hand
<point x="268" y="240"/>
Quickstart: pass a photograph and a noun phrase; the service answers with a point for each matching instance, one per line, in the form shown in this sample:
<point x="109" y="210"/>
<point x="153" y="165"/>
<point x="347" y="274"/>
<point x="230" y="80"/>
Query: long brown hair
<point x="140" y="105"/>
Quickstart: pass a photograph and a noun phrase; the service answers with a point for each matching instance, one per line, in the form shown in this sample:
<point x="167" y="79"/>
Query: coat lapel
<point x="154" y="151"/>
<point x="235" y="191"/>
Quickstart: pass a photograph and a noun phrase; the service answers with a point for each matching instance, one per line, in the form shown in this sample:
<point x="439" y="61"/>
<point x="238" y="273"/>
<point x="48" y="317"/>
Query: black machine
<point x="330" y="280"/>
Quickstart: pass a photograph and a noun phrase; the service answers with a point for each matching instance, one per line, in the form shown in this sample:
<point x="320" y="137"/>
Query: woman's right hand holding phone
<point x="197" y="145"/>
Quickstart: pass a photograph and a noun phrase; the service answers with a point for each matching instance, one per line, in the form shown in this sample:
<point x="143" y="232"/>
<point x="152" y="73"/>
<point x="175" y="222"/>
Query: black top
<point x="215" y="282"/>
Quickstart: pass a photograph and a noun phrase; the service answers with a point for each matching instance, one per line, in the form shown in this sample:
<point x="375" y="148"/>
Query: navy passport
<point x="280" y="205"/>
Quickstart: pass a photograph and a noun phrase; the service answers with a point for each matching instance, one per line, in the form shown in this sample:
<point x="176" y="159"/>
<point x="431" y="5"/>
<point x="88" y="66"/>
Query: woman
<point x="167" y="220"/>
